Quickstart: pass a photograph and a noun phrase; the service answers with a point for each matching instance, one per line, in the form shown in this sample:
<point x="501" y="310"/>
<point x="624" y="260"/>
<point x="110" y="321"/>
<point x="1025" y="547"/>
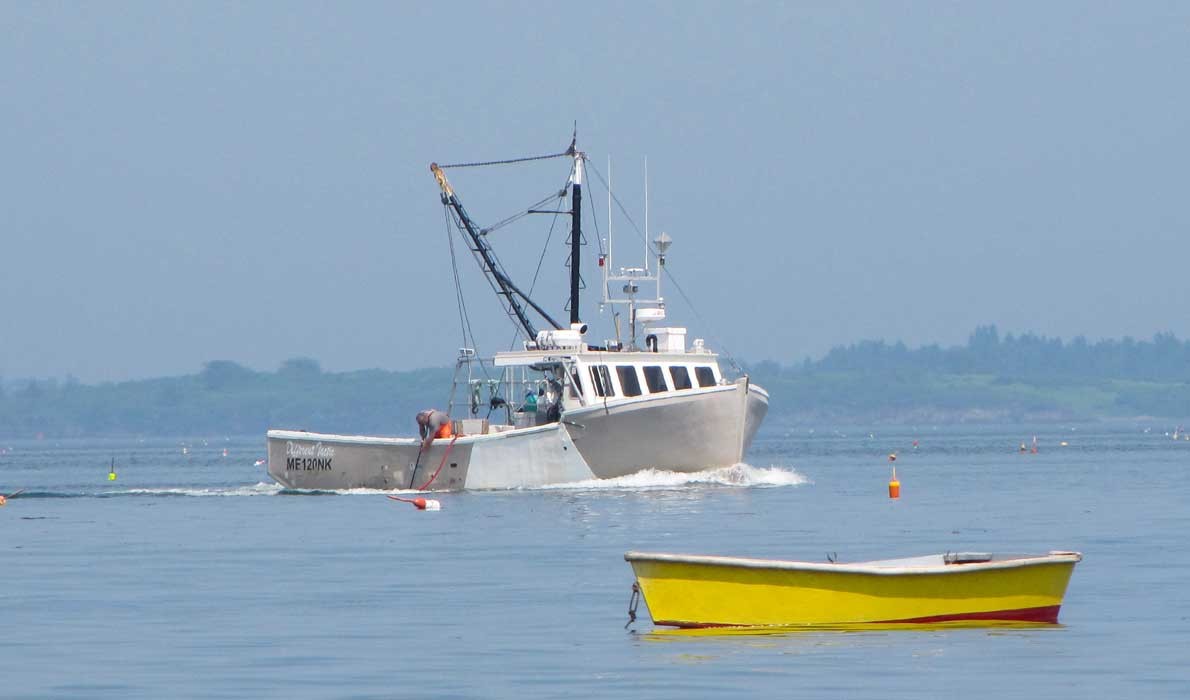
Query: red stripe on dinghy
<point x="1048" y="613"/>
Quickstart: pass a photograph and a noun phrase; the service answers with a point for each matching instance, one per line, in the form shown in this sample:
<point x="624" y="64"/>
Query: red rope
<point x="440" y="464"/>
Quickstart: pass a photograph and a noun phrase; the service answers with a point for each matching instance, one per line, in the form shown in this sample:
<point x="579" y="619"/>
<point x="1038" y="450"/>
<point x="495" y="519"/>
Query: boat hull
<point x="682" y="432"/>
<point x="687" y="432"/>
<point x="527" y="457"/>
<point x="690" y="591"/>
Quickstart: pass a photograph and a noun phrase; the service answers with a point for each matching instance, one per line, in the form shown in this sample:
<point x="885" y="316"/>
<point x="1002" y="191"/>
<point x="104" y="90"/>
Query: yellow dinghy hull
<point x="707" y="591"/>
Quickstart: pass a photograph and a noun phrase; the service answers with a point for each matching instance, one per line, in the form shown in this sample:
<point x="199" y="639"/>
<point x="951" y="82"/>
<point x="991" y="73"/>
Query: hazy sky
<point x="187" y="182"/>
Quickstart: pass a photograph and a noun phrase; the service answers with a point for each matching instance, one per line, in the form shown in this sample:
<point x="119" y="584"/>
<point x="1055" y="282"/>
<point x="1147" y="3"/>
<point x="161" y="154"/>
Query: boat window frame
<point x="601" y="381"/>
<point x="576" y="383"/>
<point x="702" y="372"/>
<point x="629" y="389"/>
<point x="673" y="377"/>
<point x="659" y="375"/>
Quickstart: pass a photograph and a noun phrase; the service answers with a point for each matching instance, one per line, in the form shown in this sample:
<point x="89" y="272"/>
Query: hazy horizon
<point x="199" y="181"/>
<point x="1003" y="336"/>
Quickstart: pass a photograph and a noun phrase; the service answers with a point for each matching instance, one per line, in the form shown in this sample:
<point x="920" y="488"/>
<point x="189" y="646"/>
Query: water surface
<point x="192" y="576"/>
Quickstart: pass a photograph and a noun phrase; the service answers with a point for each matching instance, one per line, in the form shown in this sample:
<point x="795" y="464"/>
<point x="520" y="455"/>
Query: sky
<point x="185" y="182"/>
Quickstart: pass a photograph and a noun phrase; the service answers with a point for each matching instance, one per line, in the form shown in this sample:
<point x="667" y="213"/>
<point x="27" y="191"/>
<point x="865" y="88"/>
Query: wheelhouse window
<point x="705" y="375"/>
<point x="601" y="380"/>
<point x="576" y="386"/>
<point x="655" y="379"/>
<point x="680" y="377"/>
<point x="628" y="380"/>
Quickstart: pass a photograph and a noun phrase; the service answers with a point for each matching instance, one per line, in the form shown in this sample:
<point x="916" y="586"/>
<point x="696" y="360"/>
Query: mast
<point x="576" y="234"/>
<point x="491" y="266"/>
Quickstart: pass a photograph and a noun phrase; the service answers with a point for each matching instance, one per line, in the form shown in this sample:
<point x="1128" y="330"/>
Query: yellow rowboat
<point x="705" y="591"/>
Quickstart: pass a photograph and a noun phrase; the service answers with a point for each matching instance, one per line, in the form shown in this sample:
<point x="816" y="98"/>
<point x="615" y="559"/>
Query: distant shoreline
<point x="1014" y="380"/>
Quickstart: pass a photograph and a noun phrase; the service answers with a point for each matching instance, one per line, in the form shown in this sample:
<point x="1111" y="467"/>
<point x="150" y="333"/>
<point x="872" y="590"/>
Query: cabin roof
<point x="531" y="357"/>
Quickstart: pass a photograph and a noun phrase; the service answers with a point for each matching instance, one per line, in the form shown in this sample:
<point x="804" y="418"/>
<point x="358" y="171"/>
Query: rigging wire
<point x="669" y="275"/>
<point x="541" y="259"/>
<point x="488" y="278"/>
<point x="520" y="215"/>
<point x="464" y="317"/>
<point x="507" y="161"/>
<point x="465" y="321"/>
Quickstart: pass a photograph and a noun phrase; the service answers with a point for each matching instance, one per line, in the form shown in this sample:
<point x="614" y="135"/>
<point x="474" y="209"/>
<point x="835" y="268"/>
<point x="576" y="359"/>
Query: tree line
<point x="1031" y="357"/>
<point x="1009" y="378"/>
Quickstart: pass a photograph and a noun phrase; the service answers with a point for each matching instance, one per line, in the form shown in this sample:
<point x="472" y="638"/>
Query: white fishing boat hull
<point x="682" y="432"/>
<point x="700" y="430"/>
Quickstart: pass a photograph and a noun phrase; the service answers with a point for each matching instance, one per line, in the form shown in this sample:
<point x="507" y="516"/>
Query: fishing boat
<point x="688" y="591"/>
<point x="562" y="406"/>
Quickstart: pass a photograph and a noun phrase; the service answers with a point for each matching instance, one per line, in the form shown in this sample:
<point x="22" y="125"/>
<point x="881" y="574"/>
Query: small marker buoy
<point x="111" y="475"/>
<point x="894" y="486"/>
<point x="420" y="503"/>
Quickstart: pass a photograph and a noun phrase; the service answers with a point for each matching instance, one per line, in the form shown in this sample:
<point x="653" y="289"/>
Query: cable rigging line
<point x="520" y="215"/>
<point x="541" y="259"/>
<point x="669" y="275"/>
<point x="507" y="161"/>
<point x="460" y="299"/>
<point x="507" y="303"/>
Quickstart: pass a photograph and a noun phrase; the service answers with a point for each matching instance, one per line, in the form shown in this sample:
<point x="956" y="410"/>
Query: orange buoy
<point x="894" y="486"/>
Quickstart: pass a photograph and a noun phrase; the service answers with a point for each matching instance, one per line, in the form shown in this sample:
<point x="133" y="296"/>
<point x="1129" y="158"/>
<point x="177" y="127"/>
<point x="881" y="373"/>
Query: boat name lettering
<point x="297" y="449"/>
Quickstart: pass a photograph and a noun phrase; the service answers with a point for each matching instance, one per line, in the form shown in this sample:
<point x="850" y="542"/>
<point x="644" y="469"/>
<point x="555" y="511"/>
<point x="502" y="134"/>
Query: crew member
<point x="430" y="423"/>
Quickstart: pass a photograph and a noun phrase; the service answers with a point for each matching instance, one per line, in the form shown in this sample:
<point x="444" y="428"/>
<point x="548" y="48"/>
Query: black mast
<point x="491" y="266"/>
<point x="576" y="234"/>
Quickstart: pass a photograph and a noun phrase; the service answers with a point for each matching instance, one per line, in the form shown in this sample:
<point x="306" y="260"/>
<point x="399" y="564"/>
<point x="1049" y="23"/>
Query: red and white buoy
<point x="420" y="503"/>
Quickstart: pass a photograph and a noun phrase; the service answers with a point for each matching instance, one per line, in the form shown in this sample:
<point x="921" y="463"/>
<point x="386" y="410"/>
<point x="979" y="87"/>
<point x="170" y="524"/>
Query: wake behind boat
<point x="561" y="408"/>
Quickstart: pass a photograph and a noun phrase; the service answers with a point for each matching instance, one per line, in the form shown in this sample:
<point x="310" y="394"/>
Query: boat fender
<point x="651" y="342"/>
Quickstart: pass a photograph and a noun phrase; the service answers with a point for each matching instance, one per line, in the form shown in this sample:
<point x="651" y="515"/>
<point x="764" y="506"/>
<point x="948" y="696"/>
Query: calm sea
<point x="192" y="576"/>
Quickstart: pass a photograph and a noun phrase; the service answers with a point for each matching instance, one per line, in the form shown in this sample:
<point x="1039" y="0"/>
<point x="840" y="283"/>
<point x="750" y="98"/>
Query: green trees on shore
<point x="1025" y="377"/>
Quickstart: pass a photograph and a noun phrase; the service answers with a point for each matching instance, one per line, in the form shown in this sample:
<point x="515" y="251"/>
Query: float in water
<point x="692" y="591"/>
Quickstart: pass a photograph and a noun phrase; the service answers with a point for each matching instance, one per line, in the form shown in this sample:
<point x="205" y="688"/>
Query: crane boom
<point x="490" y="264"/>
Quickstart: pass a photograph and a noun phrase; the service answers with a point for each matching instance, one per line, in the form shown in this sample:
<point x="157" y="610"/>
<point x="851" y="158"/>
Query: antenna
<point x="646" y="215"/>
<point x="607" y="263"/>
